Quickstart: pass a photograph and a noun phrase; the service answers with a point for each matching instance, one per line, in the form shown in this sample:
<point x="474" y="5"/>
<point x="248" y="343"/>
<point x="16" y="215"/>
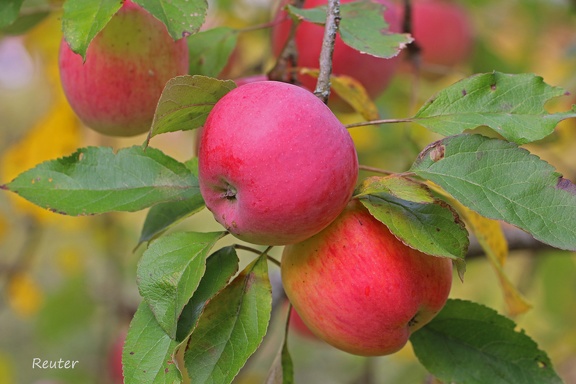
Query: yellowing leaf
<point x="352" y="92"/>
<point x="24" y="295"/>
<point x="493" y="242"/>
<point x="54" y="136"/>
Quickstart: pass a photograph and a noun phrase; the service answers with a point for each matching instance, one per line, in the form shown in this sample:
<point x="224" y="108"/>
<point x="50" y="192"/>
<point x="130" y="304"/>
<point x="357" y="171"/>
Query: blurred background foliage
<point x="68" y="284"/>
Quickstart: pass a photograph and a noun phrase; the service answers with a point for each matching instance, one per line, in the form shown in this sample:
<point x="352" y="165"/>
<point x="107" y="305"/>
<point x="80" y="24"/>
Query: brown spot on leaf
<point x="464" y="93"/>
<point x="566" y="185"/>
<point x="437" y="153"/>
<point x="493" y="87"/>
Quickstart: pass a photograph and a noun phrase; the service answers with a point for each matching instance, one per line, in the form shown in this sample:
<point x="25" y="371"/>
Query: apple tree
<point x="368" y="253"/>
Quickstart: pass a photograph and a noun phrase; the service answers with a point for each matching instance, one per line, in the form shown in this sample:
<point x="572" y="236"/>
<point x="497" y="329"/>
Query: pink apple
<point x="115" y="91"/>
<point x="372" y="72"/>
<point x="275" y="165"/>
<point x="359" y="288"/>
<point x="443" y="31"/>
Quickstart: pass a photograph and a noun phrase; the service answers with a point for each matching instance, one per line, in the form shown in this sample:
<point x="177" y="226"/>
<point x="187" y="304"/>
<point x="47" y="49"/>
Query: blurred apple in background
<point x="372" y="72"/>
<point x="359" y="288"/>
<point x="115" y="91"/>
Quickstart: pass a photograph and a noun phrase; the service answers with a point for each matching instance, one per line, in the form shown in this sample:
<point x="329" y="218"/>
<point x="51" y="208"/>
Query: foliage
<point x="203" y="314"/>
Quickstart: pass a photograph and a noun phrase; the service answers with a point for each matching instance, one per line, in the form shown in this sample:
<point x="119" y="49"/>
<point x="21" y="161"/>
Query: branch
<point x="330" y="31"/>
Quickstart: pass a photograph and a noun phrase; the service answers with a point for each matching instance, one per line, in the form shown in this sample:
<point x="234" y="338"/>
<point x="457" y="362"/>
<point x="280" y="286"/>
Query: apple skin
<point x="115" y="359"/>
<point x="275" y="166"/>
<point x="372" y="72"/>
<point x="359" y="288"/>
<point x="116" y="90"/>
<point x="443" y="31"/>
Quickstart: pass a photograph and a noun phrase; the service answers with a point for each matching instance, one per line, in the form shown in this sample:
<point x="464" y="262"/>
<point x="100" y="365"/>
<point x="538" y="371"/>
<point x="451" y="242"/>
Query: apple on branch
<point x="115" y="91"/>
<point x="372" y="72"/>
<point x="275" y="166"/>
<point x="359" y="288"/>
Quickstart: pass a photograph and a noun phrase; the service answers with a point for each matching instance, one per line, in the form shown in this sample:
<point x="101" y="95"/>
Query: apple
<point x="359" y="288"/>
<point x="443" y="31"/>
<point x="275" y="166"/>
<point x="115" y="359"/>
<point x="372" y="72"/>
<point x="115" y="91"/>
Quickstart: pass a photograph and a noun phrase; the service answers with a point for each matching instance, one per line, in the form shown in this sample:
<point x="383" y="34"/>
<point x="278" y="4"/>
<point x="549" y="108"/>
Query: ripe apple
<point x="359" y="288"/>
<point x="443" y="31"/>
<point x="275" y="166"/>
<point x="372" y="72"/>
<point x="115" y="91"/>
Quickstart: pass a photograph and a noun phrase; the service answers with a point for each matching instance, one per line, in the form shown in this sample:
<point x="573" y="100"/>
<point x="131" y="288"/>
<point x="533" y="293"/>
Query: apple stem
<point x="330" y="31"/>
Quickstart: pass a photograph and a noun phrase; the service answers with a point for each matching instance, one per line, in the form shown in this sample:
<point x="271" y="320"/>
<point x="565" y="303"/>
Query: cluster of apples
<point x="276" y="167"/>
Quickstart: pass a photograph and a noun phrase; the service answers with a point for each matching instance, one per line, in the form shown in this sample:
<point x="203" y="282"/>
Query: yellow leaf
<point x="24" y="295"/>
<point x="352" y="92"/>
<point x="493" y="242"/>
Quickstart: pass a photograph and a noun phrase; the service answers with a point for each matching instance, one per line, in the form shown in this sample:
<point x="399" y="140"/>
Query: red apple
<point x="443" y="31"/>
<point x="275" y="165"/>
<point x="372" y="72"/>
<point x="359" y="288"/>
<point x="115" y="359"/>
<point x="115" y="91"/>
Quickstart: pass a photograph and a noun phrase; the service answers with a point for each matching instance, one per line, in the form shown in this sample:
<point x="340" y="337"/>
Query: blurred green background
<point x="68" y="284"/>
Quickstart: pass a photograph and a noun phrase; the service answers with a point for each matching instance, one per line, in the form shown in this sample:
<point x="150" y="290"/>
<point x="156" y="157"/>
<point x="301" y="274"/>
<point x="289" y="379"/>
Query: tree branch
<point x="330" y="31"/>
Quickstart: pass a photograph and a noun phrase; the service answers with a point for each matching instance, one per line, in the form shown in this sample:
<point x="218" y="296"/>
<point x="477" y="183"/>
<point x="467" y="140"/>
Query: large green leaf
<point x="182" y="18"/>
<point x="169" y="272"/>
<point x="414" y="216"/>
<point x="95" y="180"/>
<point x="232" y="327"/>
<point x="467" y="343"/>
<point x="210" y="50"/>
<point x="9" y="10"/>
<point x="148" y="354"/>
<point x="186" y="102"/>
<point x="221" y="266"/>
<point x="362" y="27"/>
<point x="501" y="181"/>
<point x="83" y="19"/>
<point x="512" y="105"/>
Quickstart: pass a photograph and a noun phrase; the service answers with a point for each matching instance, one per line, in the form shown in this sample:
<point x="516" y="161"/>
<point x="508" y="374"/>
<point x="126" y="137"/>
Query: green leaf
<point x="362" y="27"/>
<point x="186" y="101"/>
<point x="414" y="216"/>
<point x="9" y="10"/>
<point x="169" y="272"/>
<point x="182" y="18"/>
<point x="221" y="266"/>
<point x="210" y="50"/>
<point x="282" y="369"/>
<point x="163" y="216"/>
<point x="501" y="181"/>
<point x="147" y="356"/>
<point x="25" y="21"/>
<point x="95" y="180"/>
<point x="232" y="327"/>
<point x="470" y="343"/>
<point x="83" y="19"/>
<point x="512" y="105"/>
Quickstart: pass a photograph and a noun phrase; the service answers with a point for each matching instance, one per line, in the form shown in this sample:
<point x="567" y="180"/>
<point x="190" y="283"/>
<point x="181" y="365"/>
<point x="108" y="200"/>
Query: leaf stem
<point x="380" y="121"/>
<point x="330" y="31"/>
